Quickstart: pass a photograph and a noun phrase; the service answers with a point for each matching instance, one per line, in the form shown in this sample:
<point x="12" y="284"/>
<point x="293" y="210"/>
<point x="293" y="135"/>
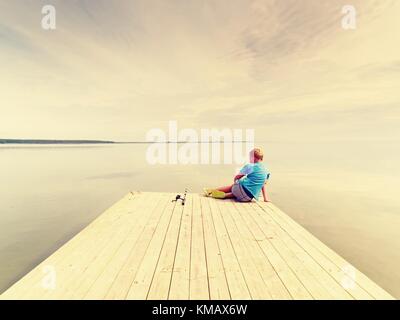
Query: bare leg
<point x="229" y="195"/>
<point x="224" y="192"/>
<point x="226" y="189"/>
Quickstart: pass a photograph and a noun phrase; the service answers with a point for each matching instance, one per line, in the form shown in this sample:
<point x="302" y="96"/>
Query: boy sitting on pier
<point x="248" y="184"/>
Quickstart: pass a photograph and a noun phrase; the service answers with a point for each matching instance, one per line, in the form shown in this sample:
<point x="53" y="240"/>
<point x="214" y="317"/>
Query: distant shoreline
<point x="43" y="141"/>
<point x="46" y="141"/>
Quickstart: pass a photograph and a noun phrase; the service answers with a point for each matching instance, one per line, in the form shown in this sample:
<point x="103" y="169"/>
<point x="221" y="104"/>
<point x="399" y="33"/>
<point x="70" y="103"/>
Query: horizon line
<point x="93" y="141"/>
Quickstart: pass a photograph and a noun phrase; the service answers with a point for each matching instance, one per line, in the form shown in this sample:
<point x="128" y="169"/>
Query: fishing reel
<point x="179" y="197"/>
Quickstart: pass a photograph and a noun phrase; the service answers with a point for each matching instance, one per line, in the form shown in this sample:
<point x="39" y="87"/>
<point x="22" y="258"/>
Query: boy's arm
<point x="264" y="192"/>
<point x="243" y="172"/>
<point x="238" y="176"/>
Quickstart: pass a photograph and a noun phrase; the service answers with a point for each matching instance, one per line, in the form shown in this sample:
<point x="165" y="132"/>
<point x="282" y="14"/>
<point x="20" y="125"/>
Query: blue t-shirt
<point x="255" y="176"/>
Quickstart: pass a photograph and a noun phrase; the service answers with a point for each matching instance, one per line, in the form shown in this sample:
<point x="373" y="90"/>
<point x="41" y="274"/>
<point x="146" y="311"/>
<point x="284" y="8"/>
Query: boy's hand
<point x="238" y="177"/>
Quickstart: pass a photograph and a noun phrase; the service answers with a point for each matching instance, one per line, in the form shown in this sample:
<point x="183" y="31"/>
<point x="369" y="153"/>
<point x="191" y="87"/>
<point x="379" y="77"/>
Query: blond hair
<point x="258" y="153"/>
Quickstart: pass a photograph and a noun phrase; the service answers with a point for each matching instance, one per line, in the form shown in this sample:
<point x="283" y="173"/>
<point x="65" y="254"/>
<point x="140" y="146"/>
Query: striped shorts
<point x="239" y="193"/>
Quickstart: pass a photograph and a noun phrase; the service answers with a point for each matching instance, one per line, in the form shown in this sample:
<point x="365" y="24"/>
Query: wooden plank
<point x="295" y="287"/>
<point x="237" y="284"/>
<point x="309" y="265"/>
<point x="145" y="246"/>
<point x="180" y="282"/>
<point x="273" y="283"/>
<point x="90" y="254"/>
<point x="25" y="287"/>
<point x="309" y="280"/>
<point x="133" y="225"/>
<point x="139" y="289"/>
<point x="332" y="260"/>
<point x="253" y="278"/>
<point x="59" y="262"/>
<point x="218" y="284"/>
<point x="338" y="275"/>
<point x="199" y="289"/>
<point x="160" y="284"/>
<point x="95" y="285"/>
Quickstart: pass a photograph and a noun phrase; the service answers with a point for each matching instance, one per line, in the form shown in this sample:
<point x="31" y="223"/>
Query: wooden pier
<point x="148" y="247"/>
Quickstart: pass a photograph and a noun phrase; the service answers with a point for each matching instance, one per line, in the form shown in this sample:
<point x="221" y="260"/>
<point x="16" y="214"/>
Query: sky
<point x="116" y="69"/>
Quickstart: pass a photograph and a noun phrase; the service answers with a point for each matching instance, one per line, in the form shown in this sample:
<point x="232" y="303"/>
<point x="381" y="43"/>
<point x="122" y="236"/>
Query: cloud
<point x="116" y="69"/>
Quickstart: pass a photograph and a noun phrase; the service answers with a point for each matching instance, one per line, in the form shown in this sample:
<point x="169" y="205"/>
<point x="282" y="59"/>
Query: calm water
<point x="345" y="194"/>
